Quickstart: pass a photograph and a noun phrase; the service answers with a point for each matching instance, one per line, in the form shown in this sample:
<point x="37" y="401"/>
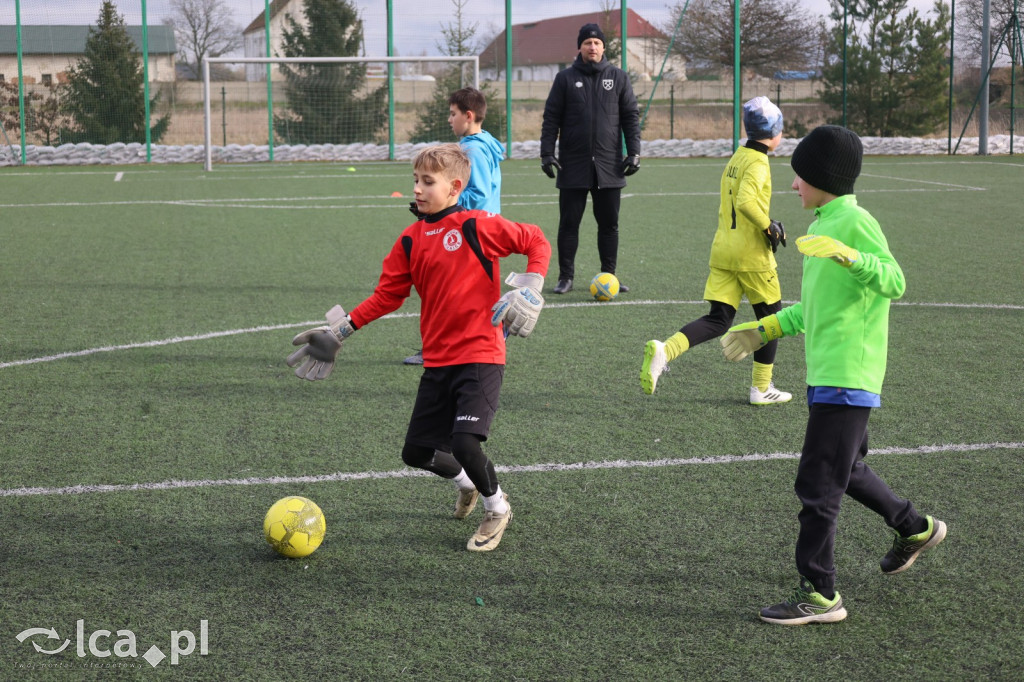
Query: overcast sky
<point x="417" y="25"/>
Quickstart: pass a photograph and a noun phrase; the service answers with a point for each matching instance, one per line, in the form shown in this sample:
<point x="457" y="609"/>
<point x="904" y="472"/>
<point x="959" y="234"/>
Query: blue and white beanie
<point x="761" y="119"/>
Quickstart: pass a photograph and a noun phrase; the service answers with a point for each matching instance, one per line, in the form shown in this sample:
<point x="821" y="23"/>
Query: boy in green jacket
<point x="849" y="279"/>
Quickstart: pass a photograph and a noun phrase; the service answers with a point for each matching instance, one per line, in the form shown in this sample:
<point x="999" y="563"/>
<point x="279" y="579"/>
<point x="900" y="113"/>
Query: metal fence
<point x="41" y="43"/>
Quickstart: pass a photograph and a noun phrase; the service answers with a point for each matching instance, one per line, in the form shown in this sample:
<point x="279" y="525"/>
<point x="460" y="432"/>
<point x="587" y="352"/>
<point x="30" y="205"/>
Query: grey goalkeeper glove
<point x="320" y="346"/>
<point x="519" y="308"/>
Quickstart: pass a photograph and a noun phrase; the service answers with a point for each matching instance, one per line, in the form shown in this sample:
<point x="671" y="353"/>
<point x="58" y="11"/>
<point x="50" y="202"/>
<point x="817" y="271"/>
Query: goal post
<point x="325" y="94"/>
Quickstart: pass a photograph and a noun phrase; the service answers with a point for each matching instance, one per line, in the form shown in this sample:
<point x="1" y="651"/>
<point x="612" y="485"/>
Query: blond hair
<point x="448" y="160"/>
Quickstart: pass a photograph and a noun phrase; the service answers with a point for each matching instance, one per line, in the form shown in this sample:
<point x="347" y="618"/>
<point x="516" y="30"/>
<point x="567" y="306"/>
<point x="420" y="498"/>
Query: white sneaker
<point x="654" y="364"/>
<point x="772" y="395"/>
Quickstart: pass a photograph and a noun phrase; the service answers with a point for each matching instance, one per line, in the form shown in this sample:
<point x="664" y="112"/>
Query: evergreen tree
<point x="432" y="125"/>
<point x="325" y="107"/>
<point x="104" y="95"/>
<point x="896" y="68"/>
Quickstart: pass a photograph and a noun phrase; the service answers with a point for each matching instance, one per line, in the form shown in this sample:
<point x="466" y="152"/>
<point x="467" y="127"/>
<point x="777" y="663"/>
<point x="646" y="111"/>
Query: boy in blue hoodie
<point x="467" y="108"/>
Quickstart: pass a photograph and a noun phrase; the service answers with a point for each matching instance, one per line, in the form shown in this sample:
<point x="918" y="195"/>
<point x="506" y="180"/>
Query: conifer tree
<point x="896" y="68"/>
<point x="432" y="124"/>
<point x="325" y="106"/>
<point x="104" y="95"/>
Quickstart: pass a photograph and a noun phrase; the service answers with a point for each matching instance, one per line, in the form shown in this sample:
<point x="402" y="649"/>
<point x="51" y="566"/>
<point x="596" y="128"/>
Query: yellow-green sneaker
<point x="655" y="363"/>
<point x="805" y="606"/>
<point x="906" y="550"/>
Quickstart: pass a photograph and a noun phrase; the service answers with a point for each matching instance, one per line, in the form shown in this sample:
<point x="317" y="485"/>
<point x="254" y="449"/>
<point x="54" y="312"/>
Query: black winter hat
<point x="590" y="31"/>
<point x="829" y="158"/>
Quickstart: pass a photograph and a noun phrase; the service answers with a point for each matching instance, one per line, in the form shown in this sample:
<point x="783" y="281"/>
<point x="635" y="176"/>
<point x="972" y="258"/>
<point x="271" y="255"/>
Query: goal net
<point x="320" y="108"/>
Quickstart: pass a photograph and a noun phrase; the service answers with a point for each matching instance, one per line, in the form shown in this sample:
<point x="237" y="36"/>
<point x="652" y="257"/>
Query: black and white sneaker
<point x="906" y="550"/>
<point x="805" y="606"/>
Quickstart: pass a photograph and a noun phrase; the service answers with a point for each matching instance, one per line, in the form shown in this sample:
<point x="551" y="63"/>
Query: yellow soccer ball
<point x="604" y="286"/>
<point x="294" y="526"/>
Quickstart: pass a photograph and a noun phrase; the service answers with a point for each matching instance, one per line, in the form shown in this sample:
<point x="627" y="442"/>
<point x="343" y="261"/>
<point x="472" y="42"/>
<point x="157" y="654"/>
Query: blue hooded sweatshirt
<point x="483" y="192"/>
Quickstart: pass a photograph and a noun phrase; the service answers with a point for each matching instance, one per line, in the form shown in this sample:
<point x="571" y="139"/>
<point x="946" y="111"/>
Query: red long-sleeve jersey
<point x="452" y="258"/>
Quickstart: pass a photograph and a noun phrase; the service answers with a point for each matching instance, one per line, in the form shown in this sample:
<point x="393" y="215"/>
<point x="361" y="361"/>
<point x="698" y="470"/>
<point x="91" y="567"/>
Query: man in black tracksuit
<point x="590" y="107"/>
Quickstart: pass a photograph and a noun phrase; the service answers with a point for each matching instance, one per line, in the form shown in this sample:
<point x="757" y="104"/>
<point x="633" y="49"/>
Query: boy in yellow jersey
<point x="742" y="257"/>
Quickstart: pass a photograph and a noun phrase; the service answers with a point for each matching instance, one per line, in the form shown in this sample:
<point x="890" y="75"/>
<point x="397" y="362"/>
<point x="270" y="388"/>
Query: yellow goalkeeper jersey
<point x="740" y="243"/>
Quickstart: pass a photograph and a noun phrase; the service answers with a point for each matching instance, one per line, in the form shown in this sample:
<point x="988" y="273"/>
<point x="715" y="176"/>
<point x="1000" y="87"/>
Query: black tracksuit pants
<point x="571" y="204"/>
<point x="831" y="465"/>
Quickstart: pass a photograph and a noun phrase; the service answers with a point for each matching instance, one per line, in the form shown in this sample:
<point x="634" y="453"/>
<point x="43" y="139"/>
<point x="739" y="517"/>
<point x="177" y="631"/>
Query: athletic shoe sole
<point x="827" y="617"/>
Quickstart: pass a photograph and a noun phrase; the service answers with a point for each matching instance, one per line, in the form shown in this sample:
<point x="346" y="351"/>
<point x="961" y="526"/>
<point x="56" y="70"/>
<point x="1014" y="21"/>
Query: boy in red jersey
<point x="451" y="255"/>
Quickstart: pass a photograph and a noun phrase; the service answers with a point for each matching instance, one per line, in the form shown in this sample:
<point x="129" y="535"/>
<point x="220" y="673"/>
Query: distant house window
<point x="47" y="79"/>
<point x="519" y="74"/>
<point x="2" y="79"/>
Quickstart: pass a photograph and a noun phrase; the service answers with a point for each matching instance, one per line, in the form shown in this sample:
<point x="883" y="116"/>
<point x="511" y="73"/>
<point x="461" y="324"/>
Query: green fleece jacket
<point x="844" y="312"/>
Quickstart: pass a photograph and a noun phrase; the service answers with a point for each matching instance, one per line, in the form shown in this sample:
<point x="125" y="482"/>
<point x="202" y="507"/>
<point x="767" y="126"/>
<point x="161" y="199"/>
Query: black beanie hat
<point x="829" y="158"/>
<point x="590" y="31"/>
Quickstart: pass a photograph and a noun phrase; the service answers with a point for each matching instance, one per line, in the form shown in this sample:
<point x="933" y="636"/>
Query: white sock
<point x="462" y="481"/>
<point x="496" y="502"/>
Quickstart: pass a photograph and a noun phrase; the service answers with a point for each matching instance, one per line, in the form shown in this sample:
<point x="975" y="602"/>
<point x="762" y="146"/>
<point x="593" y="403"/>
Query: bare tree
<point x="774" y="35"/>
<point x="203" y="28"/>
<point x="969" y="20"/>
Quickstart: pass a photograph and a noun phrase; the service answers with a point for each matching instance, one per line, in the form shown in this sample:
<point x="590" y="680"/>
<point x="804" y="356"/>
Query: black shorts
<point x="454" y="399"/>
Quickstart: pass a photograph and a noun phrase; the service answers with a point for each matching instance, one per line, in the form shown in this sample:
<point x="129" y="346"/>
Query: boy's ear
<point x="457" y="186"/>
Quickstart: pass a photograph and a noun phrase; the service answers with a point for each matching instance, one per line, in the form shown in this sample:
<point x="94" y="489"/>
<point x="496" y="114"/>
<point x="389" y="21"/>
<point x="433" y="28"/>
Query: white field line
<point x="315" y="323"/>
<point x="315" y="202"/>
<point x="522" y="469"/>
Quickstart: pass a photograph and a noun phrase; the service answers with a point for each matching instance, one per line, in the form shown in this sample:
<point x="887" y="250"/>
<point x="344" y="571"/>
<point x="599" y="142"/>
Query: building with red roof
<point x="540" y="49"/>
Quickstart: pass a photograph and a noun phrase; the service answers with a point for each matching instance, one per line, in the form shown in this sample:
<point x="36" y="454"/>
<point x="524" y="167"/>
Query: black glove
<point x="631" y="164"/>
<point x="415" y="210"/>
<point x="776" y="234"/>
<point x="549" y="165"/>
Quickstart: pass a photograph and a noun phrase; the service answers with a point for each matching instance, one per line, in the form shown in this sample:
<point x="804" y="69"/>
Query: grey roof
<point x="71" y="39"/>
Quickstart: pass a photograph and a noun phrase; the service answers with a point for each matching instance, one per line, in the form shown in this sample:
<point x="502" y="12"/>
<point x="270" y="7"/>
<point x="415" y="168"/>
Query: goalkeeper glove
<point x="520" y="308"/>
<point x="320" y="346"/>
<point x="743" y="339"/>
<point x="631" y="164"/>
<point x="776" y="234"/>
<point x="820" y="246"/>
<point x="549" y="165"/>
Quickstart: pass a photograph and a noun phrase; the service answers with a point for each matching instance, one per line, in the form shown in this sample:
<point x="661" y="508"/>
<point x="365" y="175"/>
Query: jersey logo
<point x="431" y="233"/>
<point x="579" y="84"/>
<point x="452" y="240"/>
<point x="608" y="83"/>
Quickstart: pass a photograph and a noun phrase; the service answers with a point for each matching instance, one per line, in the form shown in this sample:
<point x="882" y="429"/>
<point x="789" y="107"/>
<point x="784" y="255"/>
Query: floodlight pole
<point x="845" y="38"/>
<point x="952" y="22"/>
<point x="21" y="82"/>
<point x="737" y="75"/>
<point x="986" y="44"/>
